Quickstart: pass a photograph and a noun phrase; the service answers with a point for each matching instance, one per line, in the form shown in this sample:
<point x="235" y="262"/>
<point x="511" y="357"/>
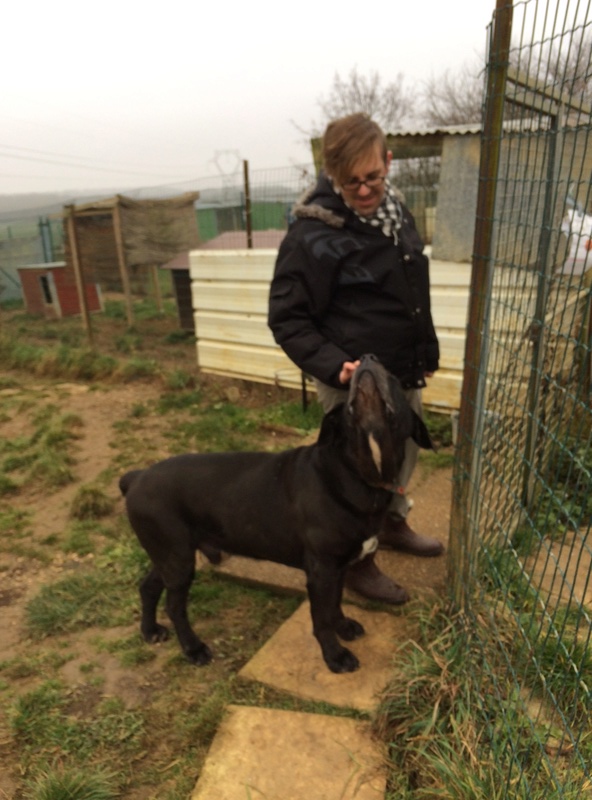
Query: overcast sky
<point x="124" y="94"/>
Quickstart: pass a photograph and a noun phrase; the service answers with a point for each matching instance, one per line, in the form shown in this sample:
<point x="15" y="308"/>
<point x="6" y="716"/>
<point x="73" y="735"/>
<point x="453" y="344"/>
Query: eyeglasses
<point x="371" y="182"/>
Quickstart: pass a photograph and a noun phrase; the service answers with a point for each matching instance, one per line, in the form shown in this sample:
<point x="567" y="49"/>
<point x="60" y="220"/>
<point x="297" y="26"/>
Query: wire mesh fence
<point x="231" y="205"/>
<point x="521" y="552"/>
<point x="225" y="200"/>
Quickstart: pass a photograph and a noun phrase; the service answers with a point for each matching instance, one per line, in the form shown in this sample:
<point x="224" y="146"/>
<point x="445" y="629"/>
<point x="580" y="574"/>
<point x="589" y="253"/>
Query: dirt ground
<point x="23" y="576"/>
<point x="98" y="410"/>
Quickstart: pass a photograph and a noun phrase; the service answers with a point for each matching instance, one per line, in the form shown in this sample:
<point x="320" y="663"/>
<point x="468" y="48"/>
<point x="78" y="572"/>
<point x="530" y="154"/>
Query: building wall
<point x="13" y="254"/>
<point x="50" y="291"/>
<point x="38" y="302"/>
<point x="522" y="202"/>
<point x="454" y="227"/>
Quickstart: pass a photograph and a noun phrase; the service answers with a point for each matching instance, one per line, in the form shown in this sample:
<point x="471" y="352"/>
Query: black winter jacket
<point x="342" y="288"/>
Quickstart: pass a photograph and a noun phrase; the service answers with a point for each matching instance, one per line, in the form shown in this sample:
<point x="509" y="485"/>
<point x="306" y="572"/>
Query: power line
<point x="81" y="165"/>
<point x="66" y="155"/>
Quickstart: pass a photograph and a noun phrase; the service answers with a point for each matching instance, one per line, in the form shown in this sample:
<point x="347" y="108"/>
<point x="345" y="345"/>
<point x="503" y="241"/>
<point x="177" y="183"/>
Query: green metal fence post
<point x="461" y="528"/>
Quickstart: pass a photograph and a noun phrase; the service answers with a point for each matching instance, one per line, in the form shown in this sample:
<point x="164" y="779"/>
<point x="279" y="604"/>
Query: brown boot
<point x="399" y="536"/>
<point x="366" y="579"/>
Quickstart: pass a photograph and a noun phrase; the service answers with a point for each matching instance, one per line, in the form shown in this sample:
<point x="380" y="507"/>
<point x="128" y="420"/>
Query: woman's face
<point x="363" y="189"/>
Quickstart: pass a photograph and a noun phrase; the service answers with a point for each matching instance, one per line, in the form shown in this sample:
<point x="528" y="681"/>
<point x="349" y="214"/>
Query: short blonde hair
<point x="347" y="138"/>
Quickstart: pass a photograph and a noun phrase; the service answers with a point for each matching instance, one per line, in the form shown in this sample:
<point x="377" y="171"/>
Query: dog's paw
<point x="348" y="629"/>
<point x="344" y="661"/>
<point x="157" y="633"/>
<point x="200" y="656"/>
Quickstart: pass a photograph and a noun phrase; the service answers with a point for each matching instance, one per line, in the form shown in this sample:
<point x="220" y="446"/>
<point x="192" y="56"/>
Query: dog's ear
<point x="419" y="432"/>
<point x="331" y="426"/>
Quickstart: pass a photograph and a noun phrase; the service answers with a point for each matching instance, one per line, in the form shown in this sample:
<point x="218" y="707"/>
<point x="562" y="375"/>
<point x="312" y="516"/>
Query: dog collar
<point x="391" y="487"/>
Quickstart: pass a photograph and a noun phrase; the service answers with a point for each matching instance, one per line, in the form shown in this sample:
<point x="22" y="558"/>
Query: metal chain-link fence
<point x="230" y="206"/>
<point x="520" y="558"/>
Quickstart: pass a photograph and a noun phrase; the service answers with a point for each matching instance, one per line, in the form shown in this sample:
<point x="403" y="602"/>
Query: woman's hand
<point x="347" y="370"/>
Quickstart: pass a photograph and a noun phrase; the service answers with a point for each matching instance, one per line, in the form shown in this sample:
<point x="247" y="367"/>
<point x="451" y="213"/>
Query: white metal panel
<point x="452" y="350"/>
<point x="449" y="309"/>
<point x="265" y="364"/>
<point x="230" y="290"/>
<point x="233" y="328"/>
<point x="232" y="265"/>
<point x="231" y="296"/>
<point x="443" y="390"/>
<point x="449" y="274"/>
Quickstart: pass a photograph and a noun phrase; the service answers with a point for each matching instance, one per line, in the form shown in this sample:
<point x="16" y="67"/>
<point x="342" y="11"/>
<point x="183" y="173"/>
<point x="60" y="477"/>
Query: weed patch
<point x="81" y="783"/>
<point x="453" y="730"/>
<point x="90" y="502"/>
<point x="80" y="601"/>
<point x="44" y="455"/>
<point x="222" y="426"/>
<point x="52" y="722"/>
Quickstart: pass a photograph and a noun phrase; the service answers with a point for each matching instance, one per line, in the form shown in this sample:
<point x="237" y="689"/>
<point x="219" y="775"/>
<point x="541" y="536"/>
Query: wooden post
<point x="121" y="260"/>
<point x="80" y="288"/>
<point x="248" y="220"/>
<point x="156" y="283"/>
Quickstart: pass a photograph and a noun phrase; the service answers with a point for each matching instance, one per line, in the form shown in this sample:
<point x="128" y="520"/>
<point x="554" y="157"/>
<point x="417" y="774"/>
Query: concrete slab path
<point x="285" y="755"/>
<point x="281" y="755"/>
<point x="291" y="660"/>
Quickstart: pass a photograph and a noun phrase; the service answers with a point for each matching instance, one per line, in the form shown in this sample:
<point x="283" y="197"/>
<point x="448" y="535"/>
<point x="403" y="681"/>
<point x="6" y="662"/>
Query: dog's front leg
<point x="325" y="587"/>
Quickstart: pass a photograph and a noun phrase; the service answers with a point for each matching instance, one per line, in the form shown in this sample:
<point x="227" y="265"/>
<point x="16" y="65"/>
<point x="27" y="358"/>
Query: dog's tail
<point x="126" y="480"/>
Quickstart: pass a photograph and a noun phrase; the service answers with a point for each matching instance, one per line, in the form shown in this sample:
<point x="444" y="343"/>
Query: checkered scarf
<point x="388" y="216"/>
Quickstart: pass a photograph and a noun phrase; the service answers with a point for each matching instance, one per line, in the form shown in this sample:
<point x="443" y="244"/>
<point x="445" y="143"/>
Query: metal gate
<point x="520" y="557"/>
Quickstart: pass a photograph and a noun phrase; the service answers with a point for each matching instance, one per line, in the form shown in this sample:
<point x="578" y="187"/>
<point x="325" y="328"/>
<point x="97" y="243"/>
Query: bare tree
<point x="390" y="105"/>
<point x="565" y="65"/>
<point x="453" y="98"/>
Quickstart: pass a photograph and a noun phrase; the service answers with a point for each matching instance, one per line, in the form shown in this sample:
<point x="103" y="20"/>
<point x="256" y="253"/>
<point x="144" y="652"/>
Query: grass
<point x="453" y="728"/>
<point x="47" y="721"/>
<point x="90" y="503"/>
<point x="75" y="603"/>
<point x="79" y="783"/>
<point x="43" y="455"/>
<point x="46" y="349"/>
<point x="220" y="427"/>
<point x="67" y="739"/>
<point x="439" y="427"/>
<point x="551" y="640"/>
<point x="61" y="361"/>
<point x="457" y="731"/>
<point x="55" y="727"/>
<point x="227" y="426"/>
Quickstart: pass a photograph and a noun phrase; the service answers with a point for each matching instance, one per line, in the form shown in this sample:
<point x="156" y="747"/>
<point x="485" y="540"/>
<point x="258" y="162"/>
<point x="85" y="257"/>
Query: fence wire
<point x="267" y="196"/>
<point x="37" y="236"/>
<point x="521" y="552"/>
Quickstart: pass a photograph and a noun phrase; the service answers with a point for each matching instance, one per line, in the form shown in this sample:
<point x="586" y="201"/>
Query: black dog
<point x="318" y="508"/>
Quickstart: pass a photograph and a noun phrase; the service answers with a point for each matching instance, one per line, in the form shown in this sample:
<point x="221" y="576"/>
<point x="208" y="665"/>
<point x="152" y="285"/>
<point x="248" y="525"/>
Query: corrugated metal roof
<point x="230" y="240"/>
<point x="449" y="130"/>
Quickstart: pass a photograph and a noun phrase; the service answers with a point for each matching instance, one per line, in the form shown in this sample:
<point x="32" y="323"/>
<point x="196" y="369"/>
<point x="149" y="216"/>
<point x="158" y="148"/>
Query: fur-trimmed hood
<point x="321" y="202"/>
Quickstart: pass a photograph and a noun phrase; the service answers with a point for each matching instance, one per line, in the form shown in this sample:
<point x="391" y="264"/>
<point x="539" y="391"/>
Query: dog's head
<point x="378" y="421"/>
